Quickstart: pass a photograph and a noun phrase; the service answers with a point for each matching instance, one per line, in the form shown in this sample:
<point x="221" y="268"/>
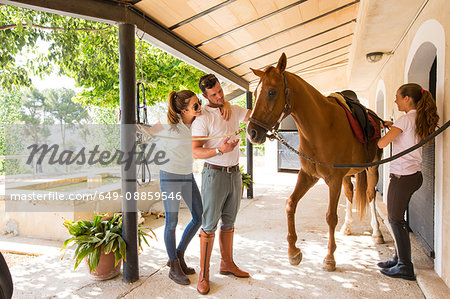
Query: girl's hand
<point x="225" y="110"/>
<point x="387" y="124"/>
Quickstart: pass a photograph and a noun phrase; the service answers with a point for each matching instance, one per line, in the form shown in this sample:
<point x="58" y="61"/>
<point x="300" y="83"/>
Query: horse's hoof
<point x="378" y="239"/>
<point x="295" y="260"/>
<point x="329" y="265"/>
<point x="346" y="231"/>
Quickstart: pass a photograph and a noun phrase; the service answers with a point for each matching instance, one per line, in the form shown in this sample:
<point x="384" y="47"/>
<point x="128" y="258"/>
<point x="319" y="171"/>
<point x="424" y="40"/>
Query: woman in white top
<point x="419" y="121"/>
<point x="176" y="178"/>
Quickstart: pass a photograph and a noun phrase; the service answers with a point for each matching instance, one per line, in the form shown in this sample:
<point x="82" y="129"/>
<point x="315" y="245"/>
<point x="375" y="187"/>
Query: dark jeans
<point x="400" y="190"/>
<point x="173" y="186"/>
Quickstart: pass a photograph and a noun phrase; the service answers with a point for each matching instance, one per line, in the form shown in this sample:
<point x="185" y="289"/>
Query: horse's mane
<point x="269" y="67"/>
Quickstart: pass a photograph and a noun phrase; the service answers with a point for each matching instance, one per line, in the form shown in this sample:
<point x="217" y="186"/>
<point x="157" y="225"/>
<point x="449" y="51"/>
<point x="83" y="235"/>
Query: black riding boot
<point x="187" y="270"/>
<point x="390" y="263"/>
<point x="177" y="274"/>
<point x="404" y="268"/>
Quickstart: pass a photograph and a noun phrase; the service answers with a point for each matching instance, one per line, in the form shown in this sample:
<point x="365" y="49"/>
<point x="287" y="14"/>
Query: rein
<point x="287" y="110"/>
<point x="423" y="142"/>
<point x="362" y="165"/>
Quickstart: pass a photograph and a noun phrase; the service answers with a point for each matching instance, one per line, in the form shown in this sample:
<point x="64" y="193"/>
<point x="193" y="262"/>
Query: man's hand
<point x="225" y="110"/>
<point x="227" y="147"/>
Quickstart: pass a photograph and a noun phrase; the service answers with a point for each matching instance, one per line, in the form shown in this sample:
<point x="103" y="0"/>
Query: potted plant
<point x="246" y="179"/>
<point x="100" y="242"/>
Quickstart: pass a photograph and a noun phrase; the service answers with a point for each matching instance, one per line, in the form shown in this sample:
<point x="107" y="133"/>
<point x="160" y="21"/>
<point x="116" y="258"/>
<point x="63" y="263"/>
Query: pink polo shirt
<point x="411" y="162"/>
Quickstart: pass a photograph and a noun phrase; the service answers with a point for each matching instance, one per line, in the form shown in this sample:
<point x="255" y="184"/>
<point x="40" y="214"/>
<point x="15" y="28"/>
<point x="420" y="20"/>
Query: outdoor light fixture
<point x="374" y="56"/>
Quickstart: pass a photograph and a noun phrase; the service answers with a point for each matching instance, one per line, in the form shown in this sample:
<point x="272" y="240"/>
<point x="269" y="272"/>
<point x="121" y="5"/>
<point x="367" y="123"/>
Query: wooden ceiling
<point x="239" y="34"/>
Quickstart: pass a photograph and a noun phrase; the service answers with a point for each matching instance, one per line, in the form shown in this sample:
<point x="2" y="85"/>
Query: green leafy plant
<point x="91" y="237"/>
<point x="246" y="178"/>
<point x="86" y="51"/>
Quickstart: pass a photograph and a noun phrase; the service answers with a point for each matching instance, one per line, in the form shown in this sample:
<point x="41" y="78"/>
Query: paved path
<point x="260" y="248"/>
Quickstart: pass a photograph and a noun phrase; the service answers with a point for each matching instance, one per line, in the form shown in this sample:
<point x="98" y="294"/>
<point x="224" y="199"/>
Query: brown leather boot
<point x="206" y="246"/>
<point x="177" y="274"/>
<point x="227" y="266"/>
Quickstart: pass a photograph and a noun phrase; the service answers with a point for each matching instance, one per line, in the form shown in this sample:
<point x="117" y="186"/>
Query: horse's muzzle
<point x="256" y="134"/>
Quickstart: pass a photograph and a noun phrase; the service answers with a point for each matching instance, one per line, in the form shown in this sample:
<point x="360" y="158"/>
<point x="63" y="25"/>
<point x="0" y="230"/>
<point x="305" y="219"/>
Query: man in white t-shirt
<point x="221" y="178"/>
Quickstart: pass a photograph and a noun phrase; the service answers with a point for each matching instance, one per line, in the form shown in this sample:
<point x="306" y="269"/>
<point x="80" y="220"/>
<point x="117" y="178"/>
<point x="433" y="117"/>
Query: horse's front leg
<point x="304" y="183"/>
<point x="372" y="180"/>
<point x="334" y="186"/>
<point x="348" y="191"/>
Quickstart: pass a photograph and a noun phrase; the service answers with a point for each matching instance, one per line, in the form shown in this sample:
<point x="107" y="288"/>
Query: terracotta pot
<point x="105" y="269"/>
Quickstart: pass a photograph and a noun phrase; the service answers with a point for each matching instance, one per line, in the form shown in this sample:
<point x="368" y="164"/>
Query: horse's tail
<point x="361" y="199"/>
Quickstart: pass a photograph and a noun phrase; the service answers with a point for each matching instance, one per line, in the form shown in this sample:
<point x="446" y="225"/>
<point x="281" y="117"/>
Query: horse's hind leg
<point x="372" y="179"/>
<point x="348" y="191"/>
<point x="304" y="183"/>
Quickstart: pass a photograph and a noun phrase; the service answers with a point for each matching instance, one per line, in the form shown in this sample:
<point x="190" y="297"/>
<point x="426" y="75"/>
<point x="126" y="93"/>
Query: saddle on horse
<point x="360" y="118"/>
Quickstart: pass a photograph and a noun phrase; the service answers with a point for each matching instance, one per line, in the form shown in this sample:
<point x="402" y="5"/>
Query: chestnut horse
<point x="326" y="138"/>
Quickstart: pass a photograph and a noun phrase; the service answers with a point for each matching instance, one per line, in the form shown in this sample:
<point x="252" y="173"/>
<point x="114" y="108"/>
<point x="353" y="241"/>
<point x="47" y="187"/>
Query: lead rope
<point x="275" y="135"/>
<point x="148" y="136"/>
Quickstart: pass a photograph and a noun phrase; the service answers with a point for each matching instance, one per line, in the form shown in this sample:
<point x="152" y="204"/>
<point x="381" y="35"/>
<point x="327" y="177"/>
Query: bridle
<point x="274" y="129"/>
<point x="286" y="111"/>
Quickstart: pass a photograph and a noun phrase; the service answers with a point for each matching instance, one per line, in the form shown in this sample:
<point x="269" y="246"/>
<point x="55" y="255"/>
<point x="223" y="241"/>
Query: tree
<point x="17" y="38"/>
<point x="34" y="108"/>
<point x="11" y="114"/>
<point x="86" y="51"/>
<point x="60" y="105"/>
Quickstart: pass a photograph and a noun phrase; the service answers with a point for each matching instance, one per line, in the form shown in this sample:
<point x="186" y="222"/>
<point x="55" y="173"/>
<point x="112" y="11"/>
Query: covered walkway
<point x="400" y="49"/>
<point x="261" y="248"/>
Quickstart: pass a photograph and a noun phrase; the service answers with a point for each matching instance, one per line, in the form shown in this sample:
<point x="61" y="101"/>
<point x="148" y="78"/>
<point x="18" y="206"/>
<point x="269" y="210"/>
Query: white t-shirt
<point x="176" y="142"/>
<point x="211" y="124"/>
<point x="411" y="162"/>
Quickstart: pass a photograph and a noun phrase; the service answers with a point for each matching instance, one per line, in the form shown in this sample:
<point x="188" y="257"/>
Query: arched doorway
<point x="421" y="210"/>
<point x="427" y="51"/>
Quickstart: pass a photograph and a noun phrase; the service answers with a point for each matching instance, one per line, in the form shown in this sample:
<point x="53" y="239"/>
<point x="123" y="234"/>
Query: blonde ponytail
<point x="177" y="103"/>
<point x="173" y="112"/>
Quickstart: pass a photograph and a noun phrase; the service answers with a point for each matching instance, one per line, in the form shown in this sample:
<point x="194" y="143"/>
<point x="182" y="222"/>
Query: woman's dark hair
<point x="177" y="103"/>
<point x="427" y="117"/>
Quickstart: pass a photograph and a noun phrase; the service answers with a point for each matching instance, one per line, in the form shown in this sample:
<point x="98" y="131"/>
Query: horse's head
<point x="272" y="101"/>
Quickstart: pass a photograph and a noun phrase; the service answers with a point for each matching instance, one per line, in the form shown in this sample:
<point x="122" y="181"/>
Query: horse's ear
<point x="257" y="72"/>
<point x="281" y="66"/>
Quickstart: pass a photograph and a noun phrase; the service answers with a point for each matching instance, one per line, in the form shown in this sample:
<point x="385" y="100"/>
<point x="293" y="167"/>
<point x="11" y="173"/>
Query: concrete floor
<point x="260" y="248"/>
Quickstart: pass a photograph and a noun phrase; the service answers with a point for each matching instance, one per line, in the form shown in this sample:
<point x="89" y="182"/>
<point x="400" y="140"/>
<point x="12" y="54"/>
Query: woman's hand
<point x="149" y="130"/>
<point x="225" y="110"/>
<point x="387" y="124"/>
